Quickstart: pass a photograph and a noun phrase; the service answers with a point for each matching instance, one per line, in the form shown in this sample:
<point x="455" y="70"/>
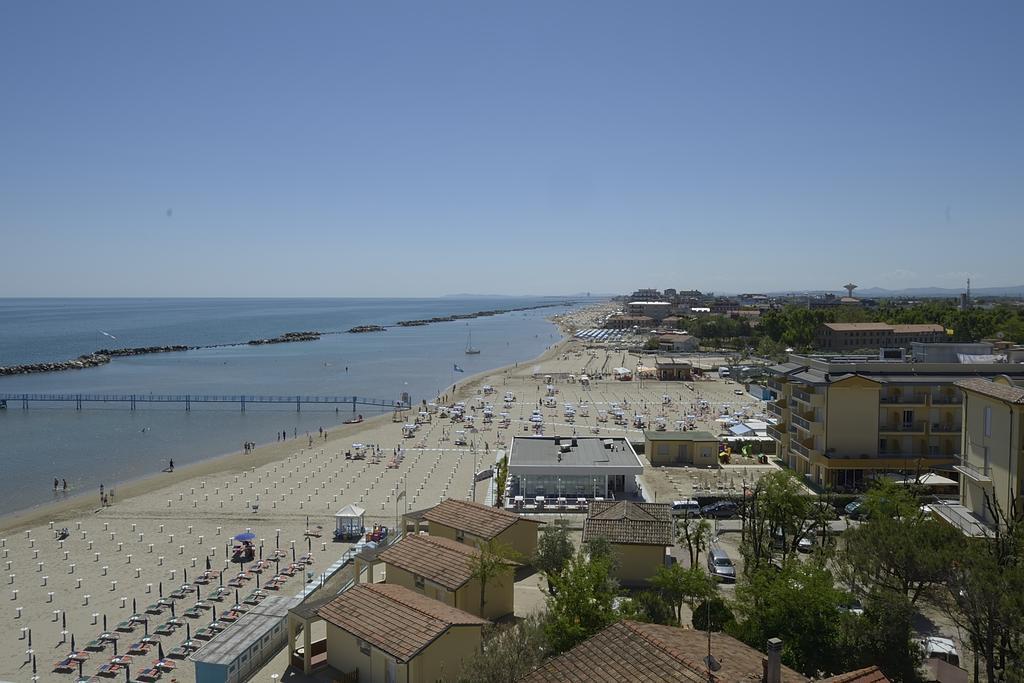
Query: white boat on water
<point x="469" y="345"/>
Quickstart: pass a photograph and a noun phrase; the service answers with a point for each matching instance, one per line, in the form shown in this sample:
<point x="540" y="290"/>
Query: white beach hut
<point x="348" y="522"/>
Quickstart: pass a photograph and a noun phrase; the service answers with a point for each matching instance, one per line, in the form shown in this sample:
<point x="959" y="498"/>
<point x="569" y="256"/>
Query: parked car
<point x="720" y="565"/>
<point x="936" y="647"/>
<point x="685" y="508"/>
<point x="856" y="509"/>
<point x="722" y="509"/>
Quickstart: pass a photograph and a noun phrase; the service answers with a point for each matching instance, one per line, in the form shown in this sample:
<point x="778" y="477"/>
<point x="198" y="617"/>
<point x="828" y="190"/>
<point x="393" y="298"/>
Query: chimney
<point x="773" y="663"/>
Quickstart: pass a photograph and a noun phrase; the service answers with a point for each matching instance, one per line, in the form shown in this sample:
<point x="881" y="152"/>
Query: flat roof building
<point x="853" y="336"/>
<point x="572" y="467"/>
<point x="680" y="449"/>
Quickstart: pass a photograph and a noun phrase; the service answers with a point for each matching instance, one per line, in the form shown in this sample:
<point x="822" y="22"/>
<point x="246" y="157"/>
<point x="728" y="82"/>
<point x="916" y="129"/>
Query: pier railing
<point x="189" y="399"/>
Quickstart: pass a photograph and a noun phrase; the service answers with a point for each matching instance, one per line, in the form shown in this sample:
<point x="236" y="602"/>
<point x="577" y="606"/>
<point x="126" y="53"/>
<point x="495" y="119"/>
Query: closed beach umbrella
<point x="63" y="620"/>
<point x="135" y="609"/>
<point x="161" y="589"/>
<point x="145" y="627"/>
<point x="188" y="631"/>
<point x="293" y="553"/>
<point x="309" y="544"/>
<point x="184" y="573"/>
<point x="104" y="624"/>
<point x="257" y="580"/>
<point x="198" y="593"/>
<point x="30" y="632"/>
<point x="237" y="601"/>
<point x="80" y="668"/>
<point x="115" y="647"/>
<point x="127" y="673"/>
<point x="207" y="563"/>
<point x="160" y="650"/>
<point x="33" y="663"/>
<point x="215" y="612"/>
<point x="220" y="578"/>
<point x="172" y="608"/>
<point x="72" y="642"/>
<point x="261" y="551"/>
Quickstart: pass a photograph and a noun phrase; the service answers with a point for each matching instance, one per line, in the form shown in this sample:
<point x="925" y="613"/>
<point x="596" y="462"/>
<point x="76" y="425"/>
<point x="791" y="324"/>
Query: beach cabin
<point x="681" y="448"/>
<point x="384" y="632"/>
<point x="623" y="374"/>
<point x="471" y="523"/>
<point x="442" y="569"/>
<point x="348" y="523"/>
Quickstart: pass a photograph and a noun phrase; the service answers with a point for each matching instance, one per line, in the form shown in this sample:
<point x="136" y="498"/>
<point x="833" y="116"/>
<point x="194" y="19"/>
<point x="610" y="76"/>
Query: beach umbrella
<point x="30" y="633"/>
<point x="247" y="536"/>
<point x="63" y="620"/>
<point x="33" y="664"/>
<point x="73" y="642"/>
<point x="104" y="622"/>
<point x="237" y="601"/>
<point x="145" y="627"/>
<point x="115" y="647"/>
<point x="199" y="595"/>
<point x="261" y="551"/>
<point x="161" y="589"/>
<point x="80" y="668"/>
<point x="207" y="563"/>
<point x="277" y="539"/>
<point x="215" y="612"/>
<point x="293" y="553"/>
<point x="160" y="650"/>
<point x="127" y="673"/>
<point x="188" y="631"/>
<point x="220" y="578"/>
<point x="135" y="609"/>
<point x="172" y="608"/>
<point x="257" y="580"/>
<point x="309" y="544"/>
<point x="184" y="574"/>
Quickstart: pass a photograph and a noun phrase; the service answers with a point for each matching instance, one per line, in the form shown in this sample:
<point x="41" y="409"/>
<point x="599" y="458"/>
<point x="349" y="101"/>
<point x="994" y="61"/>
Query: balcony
<point x="777" y="431"/>
<point x="775" y="409"/>
<point x="802" y="423"/>
<point x="775" y="384"/>
<point x="979" y="473"/>
<point x="938" y="428"/>
<point x="904" y="399"/>
<point x="800" y="449"/>
<point x="903" y="428"/>
<point x="946" y="400"/>
<point x="801" y="395"/>
<point x="962" y="518"/>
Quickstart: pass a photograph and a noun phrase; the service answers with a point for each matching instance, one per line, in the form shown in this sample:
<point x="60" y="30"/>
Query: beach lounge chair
<point x="66" y="664"/>
<point x="138" y="648"/>
<point x="107" y="670"/>
<point x="178" y="653"/>
<point x="164" y="630"/>
<point x="165" y="664"/>
<point x="95" y="645"/>
<point x="192" y="612"/>
<point x="150" y="674"/>
<point x="154" y="609"/>
<point x="125" y="626"/>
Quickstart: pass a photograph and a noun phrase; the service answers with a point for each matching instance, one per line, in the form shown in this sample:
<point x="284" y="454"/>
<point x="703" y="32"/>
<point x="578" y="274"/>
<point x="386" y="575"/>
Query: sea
<point x="108" y="443"/>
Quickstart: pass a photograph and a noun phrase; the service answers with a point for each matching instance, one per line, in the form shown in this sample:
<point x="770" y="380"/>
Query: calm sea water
<point x="108" y="443"/>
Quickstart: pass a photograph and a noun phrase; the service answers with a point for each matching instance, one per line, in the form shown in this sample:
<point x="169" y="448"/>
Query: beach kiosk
<point x="348" y="523"/>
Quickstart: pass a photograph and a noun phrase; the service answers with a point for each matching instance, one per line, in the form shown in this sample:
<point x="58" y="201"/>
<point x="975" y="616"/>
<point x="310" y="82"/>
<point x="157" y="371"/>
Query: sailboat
<point x="469" y="345"/>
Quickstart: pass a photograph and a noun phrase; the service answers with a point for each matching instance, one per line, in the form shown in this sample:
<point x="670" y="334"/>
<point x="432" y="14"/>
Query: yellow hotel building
<point x="841" y="418"/>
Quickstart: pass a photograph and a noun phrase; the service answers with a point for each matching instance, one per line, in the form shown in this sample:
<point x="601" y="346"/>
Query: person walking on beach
<point x="65" y="482"/>
<point x="56" y="484"/>
<point x="170" y="466"/>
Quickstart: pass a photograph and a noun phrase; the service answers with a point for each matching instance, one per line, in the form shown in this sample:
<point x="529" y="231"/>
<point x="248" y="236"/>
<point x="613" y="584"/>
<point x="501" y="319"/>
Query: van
<point x="686" y="508"/>
<point x="720" y="565"/>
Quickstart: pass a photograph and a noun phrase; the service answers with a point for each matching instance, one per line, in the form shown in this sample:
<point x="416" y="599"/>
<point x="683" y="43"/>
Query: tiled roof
<point x="441" y="560"/>
<point x="859" y="327"/>
<point x="998" y="390"/>
<point x="916" y="329"/>
<point x="392" y="618"/>
<point x="871" y="674"/>
<point x="624" y="521"/>
<point x="645" y="653"/>
<point x="480" y="520"/>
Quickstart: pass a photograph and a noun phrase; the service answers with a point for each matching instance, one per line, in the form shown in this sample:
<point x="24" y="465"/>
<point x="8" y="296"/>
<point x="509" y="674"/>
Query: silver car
<point x="720" y="566"/>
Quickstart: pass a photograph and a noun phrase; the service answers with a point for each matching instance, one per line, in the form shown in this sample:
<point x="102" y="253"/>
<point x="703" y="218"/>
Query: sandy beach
<point x="161" y="532"/>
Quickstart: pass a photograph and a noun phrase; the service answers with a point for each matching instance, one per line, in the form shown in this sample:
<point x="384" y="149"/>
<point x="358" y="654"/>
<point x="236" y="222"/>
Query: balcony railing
<point x="775" y="409"/>
<point x="775" y="431"/>
<point x="938" y="428"/>
<point x="911" y="427"/>
<point x="980" y="473"/>
<point x="800" y="448"/>
<point x="775" y="384"/>
<point x="803" y="423"/>
<point x="946" y="400"/>
<point x="904" y="399"/>
<point x="800" y="395"/>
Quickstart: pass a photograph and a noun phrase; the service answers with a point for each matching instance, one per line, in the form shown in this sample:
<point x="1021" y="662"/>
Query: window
<point x="364" y="646"/>
<point x="988" y="420"/>
<point x="418" y="581"/>
<point x="460" y="535"/>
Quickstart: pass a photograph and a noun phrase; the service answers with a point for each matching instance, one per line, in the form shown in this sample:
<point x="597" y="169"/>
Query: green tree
<point x="797" y="603"/>
<point x="649" y="606"/>
<point x="883" y="635"/>
<point x="898" y="549"/>
<point x="695" y="533"/>
<point x="777" y="515"/>
<point x="554" y="550"/>
<point x="583" y="600"/>
<point x="493" y="561"/>
<point x="509" y="652"/>
<point x="679" y="586"/>
<point x="712" y="615"/>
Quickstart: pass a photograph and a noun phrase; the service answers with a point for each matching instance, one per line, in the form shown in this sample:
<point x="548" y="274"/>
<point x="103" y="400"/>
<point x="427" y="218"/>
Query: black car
<point x="722" y="509"/>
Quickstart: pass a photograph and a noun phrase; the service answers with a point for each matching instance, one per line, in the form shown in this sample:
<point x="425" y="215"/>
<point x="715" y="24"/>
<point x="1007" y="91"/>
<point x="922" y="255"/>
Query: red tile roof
<point x="624" y="521"/>
<point x="394" y="619"/>
<point x="649" y="653"/>
<point x="871" y="674"/>
<point x="441" y="560"/>
<point x="480" y="520"/>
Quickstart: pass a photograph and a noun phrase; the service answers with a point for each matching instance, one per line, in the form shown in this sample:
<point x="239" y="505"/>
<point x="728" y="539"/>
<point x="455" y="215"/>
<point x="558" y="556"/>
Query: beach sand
<point x="165" y="526"/>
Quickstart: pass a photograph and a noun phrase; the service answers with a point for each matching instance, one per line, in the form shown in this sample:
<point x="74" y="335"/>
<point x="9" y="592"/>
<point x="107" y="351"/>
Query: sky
<point x="428" y="148"/>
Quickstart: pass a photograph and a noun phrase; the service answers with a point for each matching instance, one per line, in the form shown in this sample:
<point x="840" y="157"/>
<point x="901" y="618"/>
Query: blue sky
<point x="424" y="148"/>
